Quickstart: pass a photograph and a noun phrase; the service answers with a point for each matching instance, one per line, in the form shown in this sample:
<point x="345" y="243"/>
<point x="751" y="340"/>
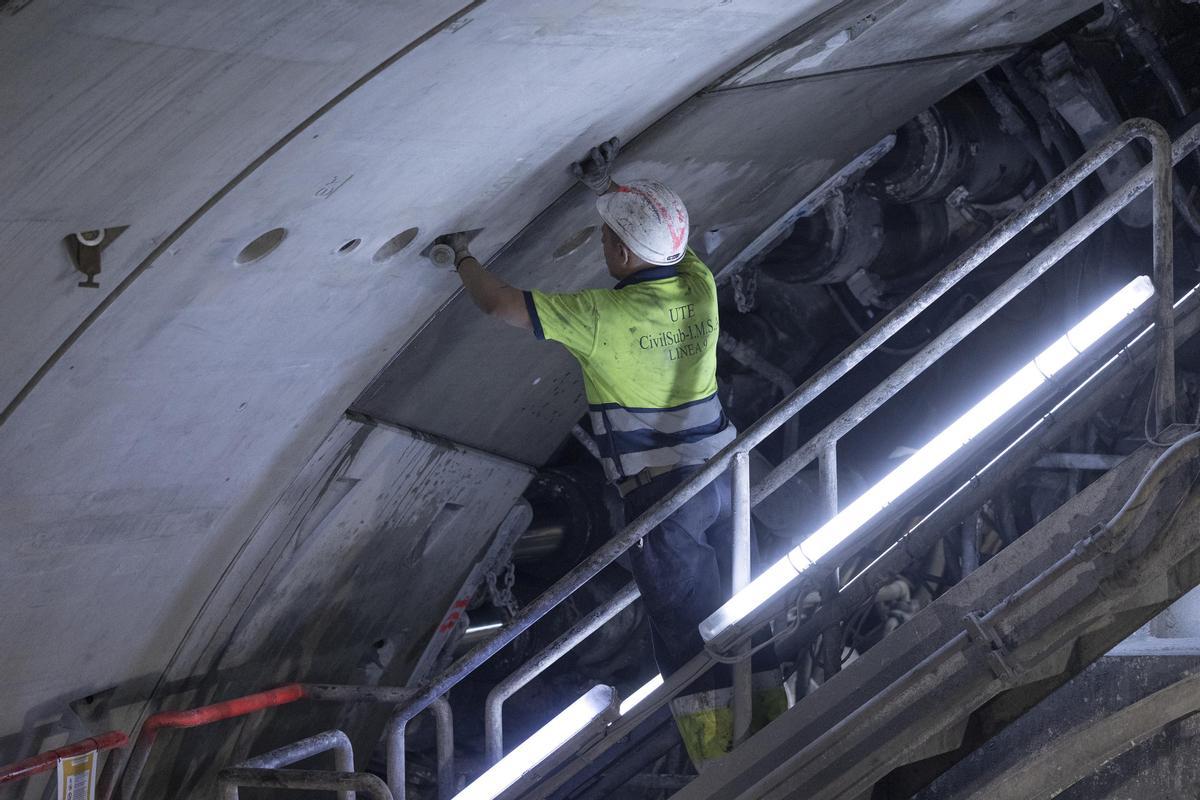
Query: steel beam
<point x="1077" y="754"/>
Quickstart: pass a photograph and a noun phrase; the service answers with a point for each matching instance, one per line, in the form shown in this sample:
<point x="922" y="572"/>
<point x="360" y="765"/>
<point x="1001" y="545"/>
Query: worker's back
<point x="648" y="352"/>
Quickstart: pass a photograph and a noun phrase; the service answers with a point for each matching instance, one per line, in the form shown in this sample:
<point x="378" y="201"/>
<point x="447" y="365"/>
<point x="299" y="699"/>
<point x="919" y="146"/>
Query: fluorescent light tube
<point x="921" y="463"/>
<point x="641" y="694"/>
<point x="757" y="592"/>
<point x="531" y="752"/>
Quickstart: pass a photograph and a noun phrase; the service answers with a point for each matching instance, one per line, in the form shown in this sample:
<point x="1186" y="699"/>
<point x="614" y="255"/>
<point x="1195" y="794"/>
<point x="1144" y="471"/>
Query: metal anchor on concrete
<point x="85" y="247"/>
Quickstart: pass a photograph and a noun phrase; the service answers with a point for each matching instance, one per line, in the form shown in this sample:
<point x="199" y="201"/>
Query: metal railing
<point x="131" y="772"/>
<point x="310" y="780"/>
<point x="44" y="762"/>
<point x="261" y="767"/>
<point x="284" y="695"/>
<point x="822" y="448"/>
<point x="493" y="711"/>
<point x="1027" y="451"/>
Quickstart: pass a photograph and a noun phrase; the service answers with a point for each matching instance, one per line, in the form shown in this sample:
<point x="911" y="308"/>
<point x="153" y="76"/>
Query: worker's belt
<point x="642" y="478"/>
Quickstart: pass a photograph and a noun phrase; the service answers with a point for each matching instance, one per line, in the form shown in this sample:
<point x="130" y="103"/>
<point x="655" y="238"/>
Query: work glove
<point x="595" y="169"/>
<point x="459" y="241"/>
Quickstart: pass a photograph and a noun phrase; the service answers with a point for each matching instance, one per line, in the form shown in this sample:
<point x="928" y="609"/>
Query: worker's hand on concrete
<point x="459" y="241"/>
<point x="595" y="169"/>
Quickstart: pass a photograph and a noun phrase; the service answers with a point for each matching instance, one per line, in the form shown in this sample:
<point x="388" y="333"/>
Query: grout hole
<point x="350" y="246"/>
<point x="394" y="245"/>
<point x="575" y="241"/>
<point x="262" y="246"/>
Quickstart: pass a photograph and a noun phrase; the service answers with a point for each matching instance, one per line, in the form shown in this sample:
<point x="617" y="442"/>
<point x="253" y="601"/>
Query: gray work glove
<point x="595" y="169"/>
<point x="459" y="241"/>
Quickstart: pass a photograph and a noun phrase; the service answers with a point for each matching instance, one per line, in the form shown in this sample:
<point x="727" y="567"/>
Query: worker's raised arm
<point x="493" y="296"/>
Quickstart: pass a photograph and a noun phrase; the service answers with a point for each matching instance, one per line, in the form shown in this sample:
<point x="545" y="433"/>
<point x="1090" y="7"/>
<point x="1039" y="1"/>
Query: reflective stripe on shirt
<point x="659" y="437"/>
<point x="648" y="350"/>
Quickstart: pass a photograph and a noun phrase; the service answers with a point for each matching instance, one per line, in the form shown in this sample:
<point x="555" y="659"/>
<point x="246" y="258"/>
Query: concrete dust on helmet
<point x="649" y="219"/>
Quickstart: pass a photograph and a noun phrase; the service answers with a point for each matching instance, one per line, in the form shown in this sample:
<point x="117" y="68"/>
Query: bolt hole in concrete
<point x="262" y="246"/>
<point x="575" y="241"/>
<point x="394" y="245"/>
<point x="350" y="246"/>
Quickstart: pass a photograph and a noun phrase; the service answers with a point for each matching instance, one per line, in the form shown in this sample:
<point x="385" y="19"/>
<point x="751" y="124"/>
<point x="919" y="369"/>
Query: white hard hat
<point x="649" y="218"/>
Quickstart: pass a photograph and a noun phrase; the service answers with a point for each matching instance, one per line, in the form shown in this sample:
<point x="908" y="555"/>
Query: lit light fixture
<point x="724" y="621"/>
<point x="641" y="694"/>
<point x="600" y="701"/>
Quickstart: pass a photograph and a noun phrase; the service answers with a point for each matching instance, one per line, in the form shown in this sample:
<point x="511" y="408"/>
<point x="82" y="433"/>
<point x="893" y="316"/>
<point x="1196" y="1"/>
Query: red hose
<point x="44" y="762"/>
<point x="226" y="709"/>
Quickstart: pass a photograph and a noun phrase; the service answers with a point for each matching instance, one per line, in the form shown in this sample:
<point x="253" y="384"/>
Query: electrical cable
<point x="788" y="630"/>
<point x="1147" y="435"/>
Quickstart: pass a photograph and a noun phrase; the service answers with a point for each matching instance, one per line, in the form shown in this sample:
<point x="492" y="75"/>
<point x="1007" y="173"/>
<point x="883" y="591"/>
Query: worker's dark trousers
<point x="682" y="569"/>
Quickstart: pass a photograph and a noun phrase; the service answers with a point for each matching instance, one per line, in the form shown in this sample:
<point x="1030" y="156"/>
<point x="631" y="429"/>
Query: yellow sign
<point x="77" y="777"/>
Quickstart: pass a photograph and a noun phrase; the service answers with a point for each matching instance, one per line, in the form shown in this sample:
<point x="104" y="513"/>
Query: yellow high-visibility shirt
<point x="648" y="350"/>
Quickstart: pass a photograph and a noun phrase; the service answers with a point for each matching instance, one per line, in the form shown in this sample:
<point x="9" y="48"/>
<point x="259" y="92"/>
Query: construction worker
<point x="647" y="348"/>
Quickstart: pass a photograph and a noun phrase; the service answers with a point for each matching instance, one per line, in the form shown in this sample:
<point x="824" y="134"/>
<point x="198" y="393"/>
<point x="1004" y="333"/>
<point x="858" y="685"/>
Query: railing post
<point x="286" y="756"/>
<point x="742" y="670"/>
<point x="1164" y="278"/>
<point x="444" y="717"/>
<point x="493" y="710"/>
<point x="831" y="637"/>
<point x="827" y="475"/>
<point x="397" y="727"/>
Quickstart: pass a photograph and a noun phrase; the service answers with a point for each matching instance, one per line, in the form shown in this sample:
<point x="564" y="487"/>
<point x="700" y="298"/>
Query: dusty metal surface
<point x="1113" y="708"/>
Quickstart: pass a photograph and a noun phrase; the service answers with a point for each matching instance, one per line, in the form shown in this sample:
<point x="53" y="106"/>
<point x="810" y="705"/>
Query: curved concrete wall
<point x="169" y="431"/>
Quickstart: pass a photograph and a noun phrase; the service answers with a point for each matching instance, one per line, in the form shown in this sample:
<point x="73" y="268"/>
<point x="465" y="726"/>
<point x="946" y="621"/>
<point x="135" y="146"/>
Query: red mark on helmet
<point x="674" y="227"/>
